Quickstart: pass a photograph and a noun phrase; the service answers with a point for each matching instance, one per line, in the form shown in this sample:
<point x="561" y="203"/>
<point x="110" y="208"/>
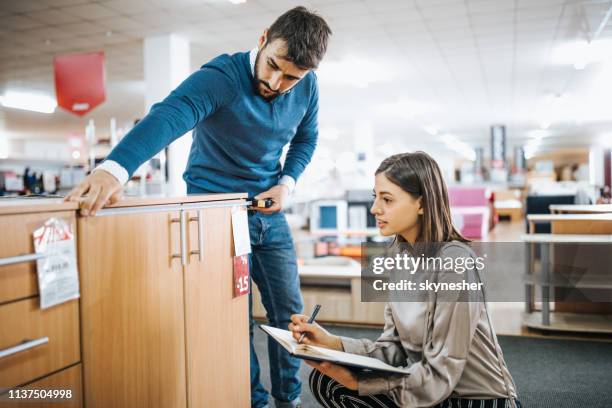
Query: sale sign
<point x="241" y="275"/>
<point x="80" y="81"/>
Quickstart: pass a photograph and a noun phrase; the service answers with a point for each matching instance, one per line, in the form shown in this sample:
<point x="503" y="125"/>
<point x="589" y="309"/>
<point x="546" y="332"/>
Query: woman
<point x="450" y="348"/>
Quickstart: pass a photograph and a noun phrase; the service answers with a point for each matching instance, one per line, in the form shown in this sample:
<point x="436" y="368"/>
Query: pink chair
<point x="470" y="210"/>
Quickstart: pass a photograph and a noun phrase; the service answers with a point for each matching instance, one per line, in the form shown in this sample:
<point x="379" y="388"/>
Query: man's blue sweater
<point x="238" y="136"/>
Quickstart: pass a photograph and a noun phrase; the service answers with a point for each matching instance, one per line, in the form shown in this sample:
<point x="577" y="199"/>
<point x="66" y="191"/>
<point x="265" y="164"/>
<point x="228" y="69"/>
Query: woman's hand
<point x="341" y="374"/>
<point x="315" y="334"/>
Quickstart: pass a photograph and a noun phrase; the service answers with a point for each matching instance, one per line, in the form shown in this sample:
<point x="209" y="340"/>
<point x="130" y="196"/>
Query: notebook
<point x="310" y="352"/>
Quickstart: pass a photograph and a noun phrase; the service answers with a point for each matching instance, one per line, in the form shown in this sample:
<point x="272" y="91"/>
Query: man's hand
<point x="279" y="194"/>
<point x="341" y="374"/>
<point x="96" y="190"/>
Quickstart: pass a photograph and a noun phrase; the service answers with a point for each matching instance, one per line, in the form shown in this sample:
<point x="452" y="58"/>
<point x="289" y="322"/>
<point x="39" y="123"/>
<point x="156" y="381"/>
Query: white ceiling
<point x="458" y="65"/>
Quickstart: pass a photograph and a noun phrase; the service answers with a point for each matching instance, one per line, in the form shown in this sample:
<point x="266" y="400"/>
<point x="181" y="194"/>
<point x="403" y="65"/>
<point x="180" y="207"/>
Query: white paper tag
<point x="240" y="229"/>
<point x="58" y="278"/>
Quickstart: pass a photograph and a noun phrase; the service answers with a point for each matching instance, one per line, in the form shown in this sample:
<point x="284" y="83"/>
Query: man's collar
<point x="252" y="58"/>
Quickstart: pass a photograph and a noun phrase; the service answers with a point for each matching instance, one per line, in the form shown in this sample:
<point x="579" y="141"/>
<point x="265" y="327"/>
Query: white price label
<point x="58" y="278"/>
<point x="240" y="229"/>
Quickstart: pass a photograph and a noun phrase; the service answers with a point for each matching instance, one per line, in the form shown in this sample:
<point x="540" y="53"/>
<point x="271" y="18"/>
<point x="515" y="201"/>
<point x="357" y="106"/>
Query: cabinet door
<point x="216" y="322"/>
<point x="132" y="311"/>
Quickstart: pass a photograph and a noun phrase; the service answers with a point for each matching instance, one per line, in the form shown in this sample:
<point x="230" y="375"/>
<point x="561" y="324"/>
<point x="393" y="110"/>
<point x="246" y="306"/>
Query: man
<point x="244" y="109"/>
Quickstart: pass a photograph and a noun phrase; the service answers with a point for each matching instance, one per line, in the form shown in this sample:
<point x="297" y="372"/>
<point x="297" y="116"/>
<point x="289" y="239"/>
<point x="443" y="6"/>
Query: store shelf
<point x="570" y="322"/>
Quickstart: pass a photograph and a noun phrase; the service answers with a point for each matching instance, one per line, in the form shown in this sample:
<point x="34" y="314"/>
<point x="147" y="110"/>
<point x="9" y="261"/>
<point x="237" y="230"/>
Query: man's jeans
<point x="273" y="268"/>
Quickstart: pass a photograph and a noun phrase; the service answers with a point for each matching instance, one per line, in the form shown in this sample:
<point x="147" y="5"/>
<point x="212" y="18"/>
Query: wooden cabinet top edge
<point x="28" y="206"/>
<point x="160" y="200"/>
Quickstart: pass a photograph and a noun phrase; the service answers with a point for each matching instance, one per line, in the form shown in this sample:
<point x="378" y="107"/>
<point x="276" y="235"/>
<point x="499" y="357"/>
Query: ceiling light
<point x="237" y="1"/>
<point x="432" y="130"/>
<point x="29" y="101"/>
<point x="453" y="143"/>
<point x="544" y="125"/>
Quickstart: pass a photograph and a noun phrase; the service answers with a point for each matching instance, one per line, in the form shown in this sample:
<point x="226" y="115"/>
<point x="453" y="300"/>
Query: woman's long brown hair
<point x="420" y="176"/>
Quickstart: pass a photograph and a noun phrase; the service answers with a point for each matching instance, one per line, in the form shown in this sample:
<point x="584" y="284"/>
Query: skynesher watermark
<point x="411" y="264"/>
<point x="405" y="284"/>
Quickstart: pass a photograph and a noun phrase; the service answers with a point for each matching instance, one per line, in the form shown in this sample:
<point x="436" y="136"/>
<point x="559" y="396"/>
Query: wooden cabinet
<point x="160" y="326"/>
<point x="39" y="349"/>
<point x="157" y="324"/>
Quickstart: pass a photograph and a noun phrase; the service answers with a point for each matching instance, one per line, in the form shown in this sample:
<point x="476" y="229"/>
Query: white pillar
<point x="166" y="65"/>
<point x="596" y="166"/>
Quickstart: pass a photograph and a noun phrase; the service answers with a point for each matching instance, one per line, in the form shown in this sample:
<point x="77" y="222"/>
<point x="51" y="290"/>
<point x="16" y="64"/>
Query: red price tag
<point x="241" y="275"/>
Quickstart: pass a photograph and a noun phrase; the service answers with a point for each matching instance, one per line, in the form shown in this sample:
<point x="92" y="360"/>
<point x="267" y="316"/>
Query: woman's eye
<point x="386" y="200"/>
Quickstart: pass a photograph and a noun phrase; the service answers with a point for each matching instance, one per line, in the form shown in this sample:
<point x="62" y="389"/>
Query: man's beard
<point x="258" y="82"/>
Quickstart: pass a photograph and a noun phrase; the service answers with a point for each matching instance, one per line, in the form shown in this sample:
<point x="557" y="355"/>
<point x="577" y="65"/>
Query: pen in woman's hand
<point x="315" y="311"/>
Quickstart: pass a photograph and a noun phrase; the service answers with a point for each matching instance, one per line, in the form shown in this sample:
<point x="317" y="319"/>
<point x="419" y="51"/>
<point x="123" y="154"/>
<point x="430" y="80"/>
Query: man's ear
<point x="263" y="39"/>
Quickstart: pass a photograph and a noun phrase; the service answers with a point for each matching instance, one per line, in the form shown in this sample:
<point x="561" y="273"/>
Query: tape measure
<point x="262" y="203"/>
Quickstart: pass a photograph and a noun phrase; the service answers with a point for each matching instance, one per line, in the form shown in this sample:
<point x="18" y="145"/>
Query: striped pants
<point x="331" y="394"/>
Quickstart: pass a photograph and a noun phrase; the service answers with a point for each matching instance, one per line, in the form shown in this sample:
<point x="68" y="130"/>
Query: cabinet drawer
<point x="18" y="280"/>
<point x="24" y="321"/>
<point x="68" y="379"/>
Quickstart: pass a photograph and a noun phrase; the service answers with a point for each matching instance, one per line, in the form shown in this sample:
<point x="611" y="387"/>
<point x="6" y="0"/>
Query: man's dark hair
<point x="306" y="35"/>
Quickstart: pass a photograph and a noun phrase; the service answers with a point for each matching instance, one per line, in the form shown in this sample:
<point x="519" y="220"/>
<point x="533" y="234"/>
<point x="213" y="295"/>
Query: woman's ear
<point x="420" y="210"/>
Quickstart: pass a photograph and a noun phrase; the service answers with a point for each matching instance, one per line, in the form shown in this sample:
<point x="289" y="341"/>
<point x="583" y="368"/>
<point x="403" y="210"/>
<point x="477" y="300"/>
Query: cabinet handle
<point x="21" y="258"/>
<point x="182" y="220"/>
<point x="23" y="347"/>
<point x="200" y="221"/>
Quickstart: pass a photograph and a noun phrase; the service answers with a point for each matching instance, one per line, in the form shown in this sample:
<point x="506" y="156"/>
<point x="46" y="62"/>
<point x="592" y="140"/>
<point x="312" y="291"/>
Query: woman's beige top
<point x="457" y="360"/>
